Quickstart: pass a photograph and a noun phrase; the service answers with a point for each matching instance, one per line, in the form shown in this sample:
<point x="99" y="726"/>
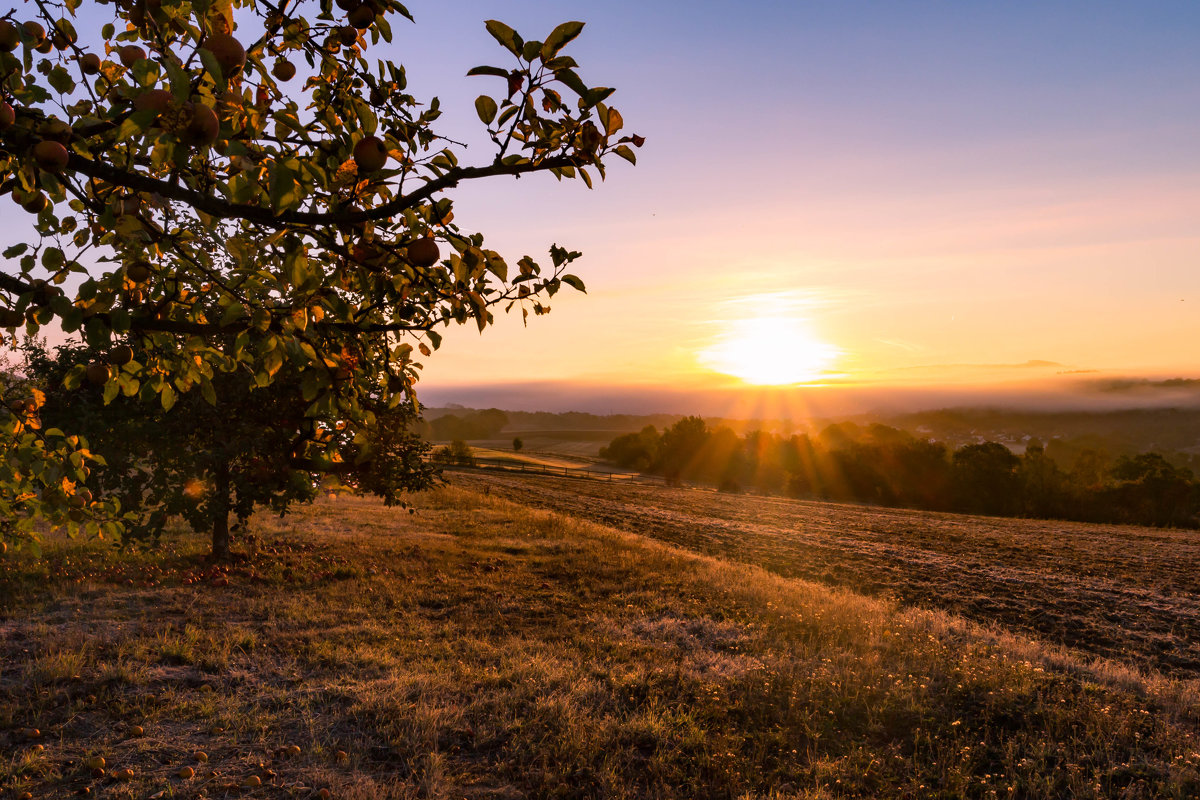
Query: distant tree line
<point x="485" y="424"/>
<point x="886" y="466"/>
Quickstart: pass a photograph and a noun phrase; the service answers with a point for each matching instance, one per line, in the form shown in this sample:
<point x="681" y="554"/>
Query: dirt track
<point x="1123" y="592"/>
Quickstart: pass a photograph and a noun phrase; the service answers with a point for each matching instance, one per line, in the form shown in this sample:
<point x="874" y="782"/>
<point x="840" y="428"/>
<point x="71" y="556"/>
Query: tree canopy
<point x="231" y="197"/>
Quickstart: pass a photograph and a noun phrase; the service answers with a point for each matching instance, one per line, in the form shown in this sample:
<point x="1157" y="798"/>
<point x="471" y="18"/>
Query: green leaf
<point x="572" y="81"/>
<point x="167" y="397"/>
<point x="111" y="389"/>
<point x="597" y="95"/>
<point x="61" y="80"/>
<point x="574" y="282"/>
<point x="505" y="36"/>
<point x="626" y="153"/>
<point x="531" y="50"/>
<point x="136" y="123"/>
<point x="208" y="392"/>
<point x="180" y="85"/>
<point x="233" y="313"/>
<point x="16" y="250"/>
<point x="494" y="71"/>
<point x="213" y="67"/>
<point x="559" y="37"/>
<point x="284" y="190"/>
<point x="507" y="114"/>
<point x="52" y="258"/>
<point x="485" y="107"/>
<point x="370" y="123"/>
<point x="297" y="265"/>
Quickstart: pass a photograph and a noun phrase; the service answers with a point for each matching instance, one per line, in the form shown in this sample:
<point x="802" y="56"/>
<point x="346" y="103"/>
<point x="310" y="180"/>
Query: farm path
<point x="1123" y="592"/>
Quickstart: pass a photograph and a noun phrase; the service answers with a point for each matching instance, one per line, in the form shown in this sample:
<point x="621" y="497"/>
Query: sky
<point x="871" y="199"/>
<point x="928" y="194"/>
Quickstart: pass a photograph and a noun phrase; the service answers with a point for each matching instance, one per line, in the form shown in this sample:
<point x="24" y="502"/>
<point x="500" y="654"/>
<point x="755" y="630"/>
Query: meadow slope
<point x="482" y="649"/>
<point x="1118" y="591"/>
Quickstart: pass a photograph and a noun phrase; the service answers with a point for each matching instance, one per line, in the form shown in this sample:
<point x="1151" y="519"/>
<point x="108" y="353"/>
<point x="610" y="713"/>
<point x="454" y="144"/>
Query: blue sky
<point x="927" y="184"/>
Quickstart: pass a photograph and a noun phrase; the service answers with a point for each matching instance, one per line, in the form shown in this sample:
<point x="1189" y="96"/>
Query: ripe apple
<point x="35" y="31"/>
<point x="120" y="355"/>
<point x="203" y="128"/>
<point x="89" y="63"/>
<point x="9" y="36"/>
<point x="423" y="252"/>
<point x="362" y="17"/>
<point x="11" y="318"/>
<point x="228" y="52"/>
<point x="34" y="202"/>
<point x="370" y="154"/>
<point x="156" y="99"/>
<point x="284" y="70"/>
<point x="130" y="54"/>
<point x="139" y="271"/>
<point x="51" y="156"/>
<point x="98" y="374"/>
<point x="8" y="116"/>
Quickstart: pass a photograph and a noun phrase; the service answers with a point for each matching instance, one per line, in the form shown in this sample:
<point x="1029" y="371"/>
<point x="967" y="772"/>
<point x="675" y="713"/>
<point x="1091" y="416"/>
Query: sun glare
<point x="770" y="351"/>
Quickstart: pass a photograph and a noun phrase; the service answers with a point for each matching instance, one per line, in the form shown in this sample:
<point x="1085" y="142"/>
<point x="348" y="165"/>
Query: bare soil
<point x="1122" y="592"/>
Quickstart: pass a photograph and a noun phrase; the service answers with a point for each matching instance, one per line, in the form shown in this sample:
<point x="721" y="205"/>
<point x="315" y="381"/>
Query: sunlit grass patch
<point x="481" y="649"/>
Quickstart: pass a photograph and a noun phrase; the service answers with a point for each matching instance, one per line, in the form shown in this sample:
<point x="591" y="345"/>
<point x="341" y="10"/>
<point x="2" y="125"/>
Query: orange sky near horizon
<point x="941" y="223"/>
<point x="838" y="195"/>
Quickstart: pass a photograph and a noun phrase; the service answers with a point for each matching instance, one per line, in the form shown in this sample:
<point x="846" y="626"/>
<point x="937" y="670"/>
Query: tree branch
<point x="217" y="207"/>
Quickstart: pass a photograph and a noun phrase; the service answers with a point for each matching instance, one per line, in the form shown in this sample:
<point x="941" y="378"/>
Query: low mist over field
<point x="1071" y="392"/>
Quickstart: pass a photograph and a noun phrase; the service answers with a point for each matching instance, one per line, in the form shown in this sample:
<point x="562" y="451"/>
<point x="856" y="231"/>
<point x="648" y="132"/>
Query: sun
<point x="770" y="351"/>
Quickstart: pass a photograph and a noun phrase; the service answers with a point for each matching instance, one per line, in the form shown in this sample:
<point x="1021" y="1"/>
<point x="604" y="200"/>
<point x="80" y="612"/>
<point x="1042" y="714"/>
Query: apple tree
<point x="230" y="200"/>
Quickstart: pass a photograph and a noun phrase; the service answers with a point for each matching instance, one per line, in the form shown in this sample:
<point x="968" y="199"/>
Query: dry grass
<point x="481" y="649"/>
<point x="1118" y="591"/>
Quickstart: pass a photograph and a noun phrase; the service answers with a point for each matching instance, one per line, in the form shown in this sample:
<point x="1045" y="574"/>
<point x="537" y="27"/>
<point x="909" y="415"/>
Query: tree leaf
<point x="614" y="122"/>
<point x="597" y="95"/>
<point x="574" y="282"/>
<point x="559" y="37"/>
<point x="486" y="108"/>
<point x="494" y="71"/>
<point x="572" y="81"/>
<point x="212" y="65"/>
<point x="504" y="35"/>
<point x="531" y="50"/>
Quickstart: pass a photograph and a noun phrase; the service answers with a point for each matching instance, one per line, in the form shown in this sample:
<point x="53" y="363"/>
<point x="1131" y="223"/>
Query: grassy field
<point x="1122" y="592"/>
<point x="483" y="649"/>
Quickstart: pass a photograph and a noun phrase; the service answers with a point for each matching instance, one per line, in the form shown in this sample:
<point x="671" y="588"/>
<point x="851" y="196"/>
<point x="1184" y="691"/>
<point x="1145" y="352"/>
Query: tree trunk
<point x="220" y="516"/>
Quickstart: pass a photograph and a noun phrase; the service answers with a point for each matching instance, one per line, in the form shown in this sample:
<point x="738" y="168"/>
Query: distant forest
<point x="883" y="465"/>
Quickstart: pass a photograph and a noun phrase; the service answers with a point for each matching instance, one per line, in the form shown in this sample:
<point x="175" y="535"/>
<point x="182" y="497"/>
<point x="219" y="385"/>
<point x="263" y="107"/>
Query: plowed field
<point x="1127" y="593"/>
